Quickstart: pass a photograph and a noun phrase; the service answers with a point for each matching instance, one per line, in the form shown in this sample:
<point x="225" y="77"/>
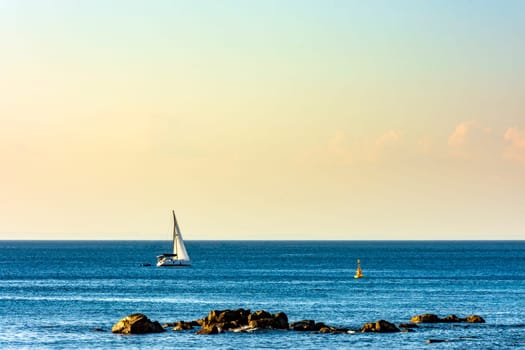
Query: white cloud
<point x="515" y="149"/>
<point x="468" y="139"/>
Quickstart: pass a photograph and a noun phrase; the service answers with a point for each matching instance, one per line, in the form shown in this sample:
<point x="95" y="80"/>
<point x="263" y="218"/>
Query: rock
<point x="225" y="316"/>
<point x="431" y="318"/>
<point x="257" y="315"/>
<point x="425" y="318"/>
<point x="408" y="325"/>
<point x="474" y="319"/>
<point x="319" y="325"/>
<point x="223" y="320"/>
<point x="325" y="330"/>
<point x="210" y="330"/>
<point x="262" y="323"/>
<point x="241" y="320"/>
<point x="183" y="326"/>
<point x="99" y="329"/>
<point x="280" y="320"/>
<point x="304" y="325"/>
<point x="452" y="318"/>
<point x="137" y="324"/>
<point x="435" y="341"/>
<point x="380" y="326"/>
<point x="263" y="319"/>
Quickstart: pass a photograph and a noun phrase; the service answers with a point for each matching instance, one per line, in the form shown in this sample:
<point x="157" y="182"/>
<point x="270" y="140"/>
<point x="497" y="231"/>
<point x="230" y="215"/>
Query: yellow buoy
<point x="358" y="272"/>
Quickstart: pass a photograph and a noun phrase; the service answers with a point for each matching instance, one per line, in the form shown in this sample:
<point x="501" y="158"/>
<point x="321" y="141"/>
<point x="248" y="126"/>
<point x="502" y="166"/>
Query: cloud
<point x="515" y="149"/>
<point x="468" y="139"/>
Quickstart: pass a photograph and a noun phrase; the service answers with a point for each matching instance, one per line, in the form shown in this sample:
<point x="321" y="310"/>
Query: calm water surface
<point x="54" y="294"/>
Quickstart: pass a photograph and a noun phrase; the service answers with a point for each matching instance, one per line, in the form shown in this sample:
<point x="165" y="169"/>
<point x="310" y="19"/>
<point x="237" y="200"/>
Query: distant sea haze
<point x="68" y="294"/>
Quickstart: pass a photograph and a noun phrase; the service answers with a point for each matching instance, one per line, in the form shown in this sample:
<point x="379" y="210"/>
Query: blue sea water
<point x="55" y="294"/>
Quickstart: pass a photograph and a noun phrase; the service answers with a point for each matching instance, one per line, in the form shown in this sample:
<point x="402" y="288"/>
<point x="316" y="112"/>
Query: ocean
<point x="68" y="294"/>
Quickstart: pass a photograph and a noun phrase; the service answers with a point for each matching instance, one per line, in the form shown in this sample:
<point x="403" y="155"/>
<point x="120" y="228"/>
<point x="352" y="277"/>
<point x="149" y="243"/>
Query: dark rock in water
<point x="380" y="326"/>
<point x="425" y="318"/>
<point x="263" y="319"/>
<point x="435" y="341"/>
<point x="408" y="325"/>
<point x="241" y="319"/>
<point x="137" y="324"/>
<point x="475" y="319"/>
<point x="183" y="326"/>
<point x="210" y="330"/>
<point x="99" y="329"/>
<point x="304" y="325"/>
<point x="407" y="330"/>
<point x="280" y="320"/>
<point x="431" y="318"/>
<point x="319" y="325"/>
<point x="322" y="328"/>
<point x="257" y="315"/>
<point x="452" y="318"/>
<point x="261" y="323"/>
<point x="239" y="316"/>
<point x="325" y="330"/>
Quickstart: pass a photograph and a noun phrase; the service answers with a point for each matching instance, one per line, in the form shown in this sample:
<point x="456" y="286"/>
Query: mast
<point x="175" y="228"/>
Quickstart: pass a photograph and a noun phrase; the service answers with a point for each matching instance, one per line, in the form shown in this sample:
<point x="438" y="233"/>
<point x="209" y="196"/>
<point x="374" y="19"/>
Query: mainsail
<point x="179" y="248"/>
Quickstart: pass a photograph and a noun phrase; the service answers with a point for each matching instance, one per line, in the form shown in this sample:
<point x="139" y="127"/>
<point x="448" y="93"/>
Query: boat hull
<point x="173" y="264"/>
<point x="170" y="260"/>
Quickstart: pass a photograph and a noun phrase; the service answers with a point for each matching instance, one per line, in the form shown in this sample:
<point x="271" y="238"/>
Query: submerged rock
<point x="137" y="324"/>
<point x="380" y="326"/>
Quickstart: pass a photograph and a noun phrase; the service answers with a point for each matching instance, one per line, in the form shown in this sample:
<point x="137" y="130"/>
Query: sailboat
<point x="180" y="256"/>
<point x="358" y="272"/>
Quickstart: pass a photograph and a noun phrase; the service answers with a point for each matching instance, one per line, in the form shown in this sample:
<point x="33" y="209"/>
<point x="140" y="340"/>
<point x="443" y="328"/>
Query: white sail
<point x="178" y="243"/>
<point x="180" y="256"/>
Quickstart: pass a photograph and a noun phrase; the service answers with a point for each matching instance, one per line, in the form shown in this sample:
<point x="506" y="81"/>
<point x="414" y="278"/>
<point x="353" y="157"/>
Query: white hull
<point x="166" y="261"/>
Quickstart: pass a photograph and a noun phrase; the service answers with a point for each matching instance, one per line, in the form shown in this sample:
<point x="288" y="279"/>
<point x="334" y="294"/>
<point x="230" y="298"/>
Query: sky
<point x="312" y="120"/>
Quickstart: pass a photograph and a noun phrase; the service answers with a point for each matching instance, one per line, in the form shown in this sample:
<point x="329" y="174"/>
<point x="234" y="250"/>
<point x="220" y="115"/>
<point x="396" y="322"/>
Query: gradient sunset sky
<point x="262" y="119"/>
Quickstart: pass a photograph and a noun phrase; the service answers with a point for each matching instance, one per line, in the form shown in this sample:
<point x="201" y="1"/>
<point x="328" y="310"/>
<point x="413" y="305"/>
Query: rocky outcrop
<point x="183" y="326"/>
<point x="425" y="318"/>
<point x="265" y="320"/>
<point x="408" y="325"/>
<point x="451" y="318"/>
<point x="218" y="321"/>
<point x="474" y="319"/>
<point x="380" y="326"/>
<point x="243" y="320"/>
<point x="304" y="325"/>
<point x="430" y="341"/>
<point x="431" y="318"/>
<point x="137" y="324"/>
